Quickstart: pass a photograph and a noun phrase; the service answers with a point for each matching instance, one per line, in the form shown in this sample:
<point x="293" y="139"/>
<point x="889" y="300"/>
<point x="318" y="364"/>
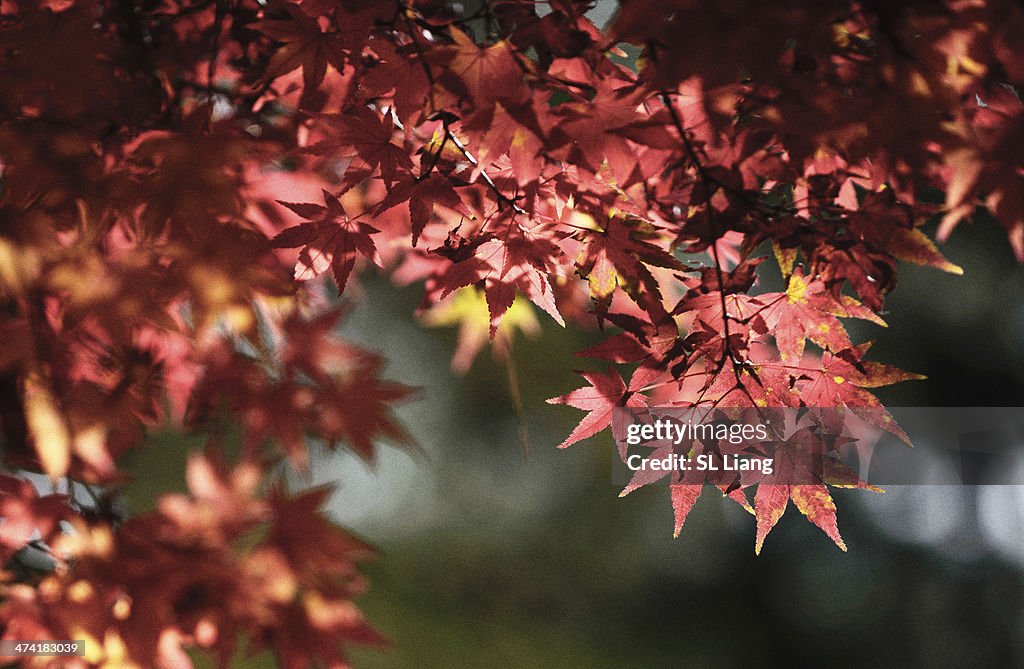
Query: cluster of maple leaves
<point x="178" y="174"/>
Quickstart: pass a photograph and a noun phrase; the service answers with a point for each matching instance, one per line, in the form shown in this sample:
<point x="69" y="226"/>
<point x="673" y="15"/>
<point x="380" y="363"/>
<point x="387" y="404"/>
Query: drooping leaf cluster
<point x="178" y="175"/>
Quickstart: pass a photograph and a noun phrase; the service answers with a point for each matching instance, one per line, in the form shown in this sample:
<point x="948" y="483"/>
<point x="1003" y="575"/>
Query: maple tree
<point x="179" y="178"/>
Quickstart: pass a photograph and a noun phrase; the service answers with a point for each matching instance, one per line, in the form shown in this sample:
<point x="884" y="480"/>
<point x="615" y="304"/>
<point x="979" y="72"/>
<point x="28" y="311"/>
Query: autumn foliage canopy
<point x="183" y="181"/>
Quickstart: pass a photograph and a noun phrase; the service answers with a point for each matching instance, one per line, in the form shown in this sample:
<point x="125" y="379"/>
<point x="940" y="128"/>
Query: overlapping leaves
<point x="152" y="271"/>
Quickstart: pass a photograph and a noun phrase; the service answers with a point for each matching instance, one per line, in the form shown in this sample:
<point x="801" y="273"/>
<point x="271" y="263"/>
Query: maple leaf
<point x="369" y="135"/>
<point x="325" y="559"/>
<point x="615" y="257"/>
<point x="329" y="240"/>
<point x="769" y="504"/>
<point x="595" y="132"/>
<point x="814" y="501"/>
<point x="334" y="391"/>
<point x="605" y="393"/>
<point x="423" y="196"/>
<point x="880" y="219"/>
<point x="483" y="74"/>
<point x="685" y="486"/>
<point x="807" y="311"/>
<point x="354" y="400"/>
<point x="562" y="33"/>
<point x="620" y="348"/>
<point x="359" y="409"/>
<point x="513" y="130"/>
<point x="308" y="539"/>
<point x="801" y="459"/>
<point x="400" y="72"/>
<point x="870" y="272"/>
<point x="520" y="261"/>
<point x="305" y="45"/>
<point x="841" y="381"/>
<point x="709" y="337"/>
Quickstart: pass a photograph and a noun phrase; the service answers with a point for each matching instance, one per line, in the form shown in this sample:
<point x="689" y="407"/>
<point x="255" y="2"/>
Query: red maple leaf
<point x="305" y="45"/>
<point x="329" y="240"/>
<point x="400" y="73"/>
<point x="370" y="136"/>
<point x="520" y="261"/>
<point x="807" y="311"/>
<point x="423" y="195"/>
<point x="482" y="74"/>
<point x="616" y="257"/>
<point x="605" y="393"/>
<point x="842" y="381"/>
<point x="814" y="501"/>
